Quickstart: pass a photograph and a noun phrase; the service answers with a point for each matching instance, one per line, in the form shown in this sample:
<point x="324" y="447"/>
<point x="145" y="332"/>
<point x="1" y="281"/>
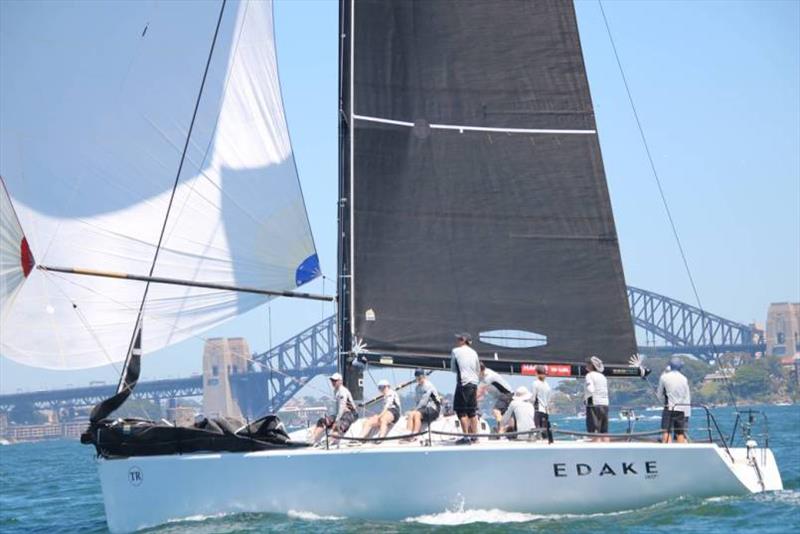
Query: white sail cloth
<point x="15" y="258"/>
<point x="96" y="101"/>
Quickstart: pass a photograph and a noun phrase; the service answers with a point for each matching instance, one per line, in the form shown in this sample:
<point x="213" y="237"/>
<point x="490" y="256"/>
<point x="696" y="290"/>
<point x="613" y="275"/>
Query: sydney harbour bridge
<point x="670" y="327"/>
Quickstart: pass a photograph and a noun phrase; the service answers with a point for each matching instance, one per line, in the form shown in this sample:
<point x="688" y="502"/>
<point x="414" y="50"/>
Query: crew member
<point x="346" y="413"/>
<point x="428" y="405"/>
<point x="541" y="393"/>
<point x="673" y="390"/>
<point x="596" y="398"/>
<point x="390" y="413"/>
<point x="520" y="414"/>
<point x="497" y="389"/>
<point x="465" y="363"/>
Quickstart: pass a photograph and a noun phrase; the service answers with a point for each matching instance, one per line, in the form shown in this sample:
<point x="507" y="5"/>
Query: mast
<point x="352" y="374"/>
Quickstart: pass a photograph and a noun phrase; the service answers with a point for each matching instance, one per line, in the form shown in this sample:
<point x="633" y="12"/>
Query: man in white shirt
<point x="346" y="413"/>
<point x="388" y="416"/>
<point x="596" y="398"/>
<point x="519" y="416"/>
<point x="540" y="394"/>
<point x="465" y="363"/>
<point x="673" y="390"/>
<point x="497" y="389"/>
<point x="428" y="405"/>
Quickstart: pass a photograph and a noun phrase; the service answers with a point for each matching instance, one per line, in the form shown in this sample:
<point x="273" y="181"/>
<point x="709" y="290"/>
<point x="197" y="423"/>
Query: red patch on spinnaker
<point x="26" y="257"/>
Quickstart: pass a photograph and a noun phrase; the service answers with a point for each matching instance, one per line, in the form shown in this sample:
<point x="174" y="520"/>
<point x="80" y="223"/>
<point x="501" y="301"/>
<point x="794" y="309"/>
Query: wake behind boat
<point x="472" y="198"/>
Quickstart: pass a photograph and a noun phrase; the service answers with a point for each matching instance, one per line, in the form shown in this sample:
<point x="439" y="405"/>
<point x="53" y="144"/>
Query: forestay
<point x="96" y="102"/>
<point x="479" y="200"/>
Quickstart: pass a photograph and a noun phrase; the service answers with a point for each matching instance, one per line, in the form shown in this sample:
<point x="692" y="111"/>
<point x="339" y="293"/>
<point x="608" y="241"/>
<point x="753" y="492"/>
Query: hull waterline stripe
<point x="462" y="128"/>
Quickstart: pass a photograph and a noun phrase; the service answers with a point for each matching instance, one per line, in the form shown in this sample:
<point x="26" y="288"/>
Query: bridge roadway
<point x="283" y="370"/>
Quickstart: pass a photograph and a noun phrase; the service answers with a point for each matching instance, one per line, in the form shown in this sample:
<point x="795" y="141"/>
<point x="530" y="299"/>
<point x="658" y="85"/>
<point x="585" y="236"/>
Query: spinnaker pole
<point x="188" y="283"/>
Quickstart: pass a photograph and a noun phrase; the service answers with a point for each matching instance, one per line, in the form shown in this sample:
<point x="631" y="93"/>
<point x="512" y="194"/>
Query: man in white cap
<point x="346" y="413"/>
<point x="673" y="390"/>
<point x="465" y="363"/>
<point x="519" y="416"/>
<point x="389" y="414"/>
<point x="596" y="398"/>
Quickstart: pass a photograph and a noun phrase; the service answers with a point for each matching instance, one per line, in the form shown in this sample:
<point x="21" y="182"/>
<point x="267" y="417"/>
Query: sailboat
<point x="153" y="195"/>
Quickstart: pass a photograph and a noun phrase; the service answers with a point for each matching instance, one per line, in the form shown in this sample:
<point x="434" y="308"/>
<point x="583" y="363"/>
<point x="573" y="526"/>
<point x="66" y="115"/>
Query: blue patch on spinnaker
<point x="308" y="270"/>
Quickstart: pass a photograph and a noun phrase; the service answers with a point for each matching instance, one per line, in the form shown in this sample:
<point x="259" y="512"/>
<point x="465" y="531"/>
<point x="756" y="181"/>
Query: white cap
<point x="597" y="363"/>
<point x="384" y="384"/>
<point x="335" y="376"/>
<point x="522" y="393"/>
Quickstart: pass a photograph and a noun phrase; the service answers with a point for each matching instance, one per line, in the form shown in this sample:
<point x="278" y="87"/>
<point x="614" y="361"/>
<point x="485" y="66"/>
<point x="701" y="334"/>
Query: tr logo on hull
<point x="135" y="476"/>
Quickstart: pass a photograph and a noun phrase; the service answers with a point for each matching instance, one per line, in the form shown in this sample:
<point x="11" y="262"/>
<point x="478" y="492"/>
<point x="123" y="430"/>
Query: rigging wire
<point x="665" y="204"/>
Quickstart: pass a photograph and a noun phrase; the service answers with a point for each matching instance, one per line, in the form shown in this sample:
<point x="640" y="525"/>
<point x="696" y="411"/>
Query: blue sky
<point x="717" y="88"/>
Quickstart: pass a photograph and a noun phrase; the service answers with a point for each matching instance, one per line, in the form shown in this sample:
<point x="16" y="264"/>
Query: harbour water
<point x="53" y="487"/>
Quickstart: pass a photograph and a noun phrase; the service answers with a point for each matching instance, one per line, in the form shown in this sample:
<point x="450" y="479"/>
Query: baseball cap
<point x="465" y="336"/>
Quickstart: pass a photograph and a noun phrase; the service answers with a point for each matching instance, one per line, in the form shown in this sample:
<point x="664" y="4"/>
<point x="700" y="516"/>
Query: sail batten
<point x="92" y="183"/>
<point x="463" y="127"/>
<point x="479" y="200"/>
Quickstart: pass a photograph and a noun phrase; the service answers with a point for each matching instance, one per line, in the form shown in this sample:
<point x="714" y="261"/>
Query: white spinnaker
<point x="95" y="105"/>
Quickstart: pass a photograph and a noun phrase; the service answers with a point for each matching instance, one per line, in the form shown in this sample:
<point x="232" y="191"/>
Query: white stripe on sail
<point x="464" y="128"/>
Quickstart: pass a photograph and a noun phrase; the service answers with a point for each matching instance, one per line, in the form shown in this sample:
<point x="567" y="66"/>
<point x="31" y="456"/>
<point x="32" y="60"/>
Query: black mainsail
<point x="472" y="185"/>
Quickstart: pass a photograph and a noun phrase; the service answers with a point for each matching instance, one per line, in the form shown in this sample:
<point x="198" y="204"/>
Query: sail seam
<point x="463" y="128"/>
<point x="137" y="327"/>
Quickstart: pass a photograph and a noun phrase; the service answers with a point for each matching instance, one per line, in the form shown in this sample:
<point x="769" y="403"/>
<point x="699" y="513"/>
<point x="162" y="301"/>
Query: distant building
<point x="719" y="376"/>
<point x="783" y="329"/>
<point x="71" y="430"/>
<point x="223" y="357"/>
<point x="792" y="366"/>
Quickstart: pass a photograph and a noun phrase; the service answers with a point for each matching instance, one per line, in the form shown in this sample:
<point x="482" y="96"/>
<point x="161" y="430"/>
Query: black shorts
<point x="597" y="419"/>
<point x="395" y="414"/>
<point x="325" y="422"/>
<point x="429" y="415"/>
<point x="344" y="423"/>
<point x="502" y="403"/>
<point x="541" y="419"/>
<point x="465" y="400"/>
<point x="673" y="421"/>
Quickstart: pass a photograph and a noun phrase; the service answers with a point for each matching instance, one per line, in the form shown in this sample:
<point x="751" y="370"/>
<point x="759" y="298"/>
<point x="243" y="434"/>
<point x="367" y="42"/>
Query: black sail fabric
<point x="479" y="197"/>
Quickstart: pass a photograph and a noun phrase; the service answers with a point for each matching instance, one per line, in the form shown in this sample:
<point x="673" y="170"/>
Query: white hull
<point x="393" y="481"/>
